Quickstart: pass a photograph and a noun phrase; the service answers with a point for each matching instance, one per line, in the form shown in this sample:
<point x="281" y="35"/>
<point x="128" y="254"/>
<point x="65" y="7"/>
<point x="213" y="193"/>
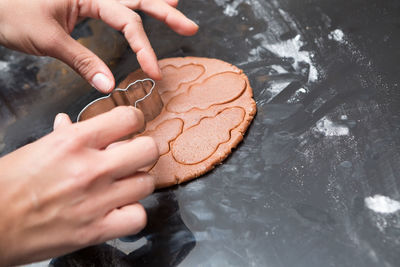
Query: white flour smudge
<point x="230" y="8"/>
<point x="286" y="49"/>
<point x="292" y="49"/>
<point x="297" y="96"/>
<point x="275" y="88"/>
<point x="4" y="65"/>
<point x="382" y="204"/>
<point x="337" y="35"/>
<point x="278" y="69"/>
<point x="301" y="91"/>
<point x="329" y="128"/>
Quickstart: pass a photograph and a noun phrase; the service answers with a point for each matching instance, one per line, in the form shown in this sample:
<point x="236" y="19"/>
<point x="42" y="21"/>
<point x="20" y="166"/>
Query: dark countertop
<point x="303" y="188"/>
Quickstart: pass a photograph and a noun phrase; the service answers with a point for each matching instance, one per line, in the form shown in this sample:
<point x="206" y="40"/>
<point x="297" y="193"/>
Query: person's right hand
<point x="71" y="189"/>
<point x="42" y="27"/>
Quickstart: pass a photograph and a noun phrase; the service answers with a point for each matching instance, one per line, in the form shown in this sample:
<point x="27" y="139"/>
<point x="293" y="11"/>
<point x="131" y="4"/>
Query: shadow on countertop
<point x="165" y="241"/>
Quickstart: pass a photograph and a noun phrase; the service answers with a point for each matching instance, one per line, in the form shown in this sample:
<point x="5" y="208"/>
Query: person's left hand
<point x="42" y="27"/>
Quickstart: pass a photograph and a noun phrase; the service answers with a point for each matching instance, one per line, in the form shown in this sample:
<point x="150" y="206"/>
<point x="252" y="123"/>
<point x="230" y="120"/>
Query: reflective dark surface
<point x="325" y="139"/>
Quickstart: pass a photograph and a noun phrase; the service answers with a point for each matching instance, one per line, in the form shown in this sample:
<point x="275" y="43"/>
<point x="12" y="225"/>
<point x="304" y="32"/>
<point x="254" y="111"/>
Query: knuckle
<point x="83" y="63"/>
<point x="68" y="140"/>
<point x="100" y="170"/>
<point x="135" y="18"/>
<point x="75" y="136"/>
<point x="81" y="172"/>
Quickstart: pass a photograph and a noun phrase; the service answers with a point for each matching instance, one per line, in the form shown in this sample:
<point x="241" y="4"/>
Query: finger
<point x="118" y="143"/>
<point x="61" y="120"/>
<point x="162" y="11"/>
<point x="127" y="191"/>
<point x="82" y="60"/>
<point x="123" y="19"/>
<point x="173" y="3"/>
<point x="127" y="220"/>
<point x="134" y="4"/>
<point x="106" y="128"/>
<point x="123" y="160"/>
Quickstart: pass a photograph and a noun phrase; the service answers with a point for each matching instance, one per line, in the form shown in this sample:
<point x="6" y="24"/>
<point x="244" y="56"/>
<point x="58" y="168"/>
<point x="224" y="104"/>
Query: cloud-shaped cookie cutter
<point x="122" y="90"/>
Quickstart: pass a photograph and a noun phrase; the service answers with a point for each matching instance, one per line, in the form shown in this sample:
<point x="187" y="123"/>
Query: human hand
<point x="71" y="188"/>
<point x="42" y="27"/>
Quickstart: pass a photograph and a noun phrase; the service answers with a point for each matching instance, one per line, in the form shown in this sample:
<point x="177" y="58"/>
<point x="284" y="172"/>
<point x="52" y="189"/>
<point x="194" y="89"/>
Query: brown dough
<point x="208" y="106"/>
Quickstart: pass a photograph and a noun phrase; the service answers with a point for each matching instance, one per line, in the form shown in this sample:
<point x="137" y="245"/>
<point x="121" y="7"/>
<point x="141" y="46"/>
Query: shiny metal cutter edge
<point x="123" y="90"/>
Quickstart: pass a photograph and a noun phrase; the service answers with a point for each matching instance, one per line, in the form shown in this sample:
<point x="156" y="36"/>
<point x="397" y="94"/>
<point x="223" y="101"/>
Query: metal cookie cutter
<point x="141" y="94"/>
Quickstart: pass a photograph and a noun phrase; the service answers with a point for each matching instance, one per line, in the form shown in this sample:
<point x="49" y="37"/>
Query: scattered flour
<point x="292" y="49"/>
<point x="275" y="88"/>
<point x="337" y="35"/>
<point x="4" y="65"/>
<point x="382" y="204"/>
<point x="302" y="91"/>
<point x="329" y="128"/>
<point x="278" y="69"/>
<point x="296" y="97"/>
<point x="230" y="8"/>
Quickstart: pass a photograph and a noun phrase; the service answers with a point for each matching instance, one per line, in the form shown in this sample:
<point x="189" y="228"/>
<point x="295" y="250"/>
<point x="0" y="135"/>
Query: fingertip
<point x="158" y="74"/>
<point x="140" y="116"/>
<point x="103" y="82"/>
<point x="135" y="119"/>
<point x="194" y="25"/>
<point x="127" y="220"/>
<point x="190" y="28"/>
<point x="150" y="147"/>
<point x="181" y="24"/>
<point x="154" y="73"/>
<point x="60" y="120"/>
<point x="173" y="3"/>
<point x="140" y="218"/>
<point x="148" y="62"/>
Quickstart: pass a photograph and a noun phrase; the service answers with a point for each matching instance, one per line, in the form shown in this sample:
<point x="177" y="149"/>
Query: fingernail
<point x="57" y="121"/>
<point x="194" y="23"/>
<point x="101" y="82"/>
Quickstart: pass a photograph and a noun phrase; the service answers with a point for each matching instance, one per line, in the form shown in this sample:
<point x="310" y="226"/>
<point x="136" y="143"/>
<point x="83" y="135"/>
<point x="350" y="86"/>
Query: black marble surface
<point x="326" y="80"/>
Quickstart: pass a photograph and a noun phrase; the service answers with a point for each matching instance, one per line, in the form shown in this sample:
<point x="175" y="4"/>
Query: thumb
<point x="83" y="61"/>
<point x="61" y="120"/>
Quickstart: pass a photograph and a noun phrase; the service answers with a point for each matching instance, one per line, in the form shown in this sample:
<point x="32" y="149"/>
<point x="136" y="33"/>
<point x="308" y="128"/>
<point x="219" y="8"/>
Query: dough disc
<point x="208" y="106"/>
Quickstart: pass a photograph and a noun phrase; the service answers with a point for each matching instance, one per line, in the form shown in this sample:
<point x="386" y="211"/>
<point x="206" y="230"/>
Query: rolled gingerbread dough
<point x="208" y="106"/>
